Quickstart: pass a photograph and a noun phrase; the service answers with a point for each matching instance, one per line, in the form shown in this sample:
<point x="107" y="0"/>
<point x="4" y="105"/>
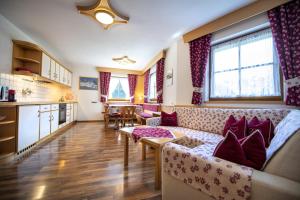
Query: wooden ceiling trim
<point x="153" y="61"/>
<point x="118" y="70"/>
<point x="234" y="17"/>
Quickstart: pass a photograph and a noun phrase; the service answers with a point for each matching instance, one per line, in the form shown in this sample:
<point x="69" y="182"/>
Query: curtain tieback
<point x="292" y="82"/>
<point x="145" y="96"/>
<point x="104" y="96"/>
<point x="159" y="92"/>
<point x="198" y="89"/>
<point x="131" y="97"/>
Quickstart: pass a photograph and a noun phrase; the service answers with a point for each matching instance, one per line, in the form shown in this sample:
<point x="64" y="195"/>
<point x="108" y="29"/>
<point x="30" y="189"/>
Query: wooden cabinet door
<point x="28" y="126"/>
<point x="45" y="118"/>
<point x="46" y="66"/>
<point x="53" y="69"/>
<point x="54" y="120"/>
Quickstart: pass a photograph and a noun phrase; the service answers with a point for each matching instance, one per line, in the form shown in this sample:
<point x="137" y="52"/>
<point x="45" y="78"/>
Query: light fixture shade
<point x="124" y="60"/>
<point x="104" y="17"/>
<point x="103" y="13"/>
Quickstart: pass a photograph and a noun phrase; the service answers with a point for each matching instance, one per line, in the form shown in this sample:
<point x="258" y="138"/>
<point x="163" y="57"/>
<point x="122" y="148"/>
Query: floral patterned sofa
<point x="189" y="171"/>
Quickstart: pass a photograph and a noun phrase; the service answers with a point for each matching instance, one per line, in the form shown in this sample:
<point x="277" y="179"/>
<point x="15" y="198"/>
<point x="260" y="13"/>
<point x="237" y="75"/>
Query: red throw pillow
<point x="239" y="128"/>
<point x="266" y="128"/>
<point x="169" y="119"/>
<point x="230" y="149"/>
<point x="254" y="149"/>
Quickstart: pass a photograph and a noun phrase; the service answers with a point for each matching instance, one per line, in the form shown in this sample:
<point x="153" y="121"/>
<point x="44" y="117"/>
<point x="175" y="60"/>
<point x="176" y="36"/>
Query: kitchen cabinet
<point x="75" y="110"/>
<point x="54" y="71"/>
<point x="61" y="74"/>
<point x="28" y="126"/>
<point x="46" y="66"/>
<point x="54" y="117"/>
<point x="45" y="120"/>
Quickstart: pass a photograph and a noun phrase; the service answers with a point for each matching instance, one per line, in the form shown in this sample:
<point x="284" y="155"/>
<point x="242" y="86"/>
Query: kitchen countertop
<point x="2" y="104"/>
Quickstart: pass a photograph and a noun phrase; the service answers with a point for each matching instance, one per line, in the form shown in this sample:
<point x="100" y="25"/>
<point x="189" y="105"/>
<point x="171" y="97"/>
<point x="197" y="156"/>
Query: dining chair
<point x="111" y="116"/>
<point x="127" y="114"/>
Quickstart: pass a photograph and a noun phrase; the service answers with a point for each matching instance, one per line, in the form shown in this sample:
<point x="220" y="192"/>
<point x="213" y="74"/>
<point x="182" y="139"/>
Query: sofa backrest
<point x="151" y="107"/>
<point x="213" y="119"/>
<point x="286" y="161"/>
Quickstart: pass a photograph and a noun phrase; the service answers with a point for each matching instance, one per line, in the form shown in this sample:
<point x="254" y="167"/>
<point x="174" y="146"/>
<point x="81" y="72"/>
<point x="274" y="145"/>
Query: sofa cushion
<point x="254" y="149"/>
<point x="230" y="149"/>
<point x="145" y="115"/>
<point x="169" y="119"/>
<point x="283" y="153"/>
<point x="239" y="128"/>
<point x="266" y="127"/>
<point x="151" y="107"/>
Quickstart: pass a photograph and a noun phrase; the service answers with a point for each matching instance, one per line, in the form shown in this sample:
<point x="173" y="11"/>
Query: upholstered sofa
<point x="148" y="110"/>
<point x="204" y="174"/>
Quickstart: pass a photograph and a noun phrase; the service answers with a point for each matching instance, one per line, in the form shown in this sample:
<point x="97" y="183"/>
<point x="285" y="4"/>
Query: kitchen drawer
<point x="44" y="108"/>
<point x="54" y="106"/>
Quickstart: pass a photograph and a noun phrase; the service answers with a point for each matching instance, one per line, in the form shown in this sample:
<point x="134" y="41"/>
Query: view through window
<point x="152" y="83"/>
<point x="245" y="67"/>
<point x="118" y="88"/>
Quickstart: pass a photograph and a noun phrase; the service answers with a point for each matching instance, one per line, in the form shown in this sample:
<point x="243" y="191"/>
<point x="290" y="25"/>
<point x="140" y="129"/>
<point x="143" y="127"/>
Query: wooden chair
<point x="127" y="115"/>
<point x="110" y="117"/>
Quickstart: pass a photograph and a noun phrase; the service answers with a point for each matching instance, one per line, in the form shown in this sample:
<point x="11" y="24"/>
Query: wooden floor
<point x="85" y="162"/>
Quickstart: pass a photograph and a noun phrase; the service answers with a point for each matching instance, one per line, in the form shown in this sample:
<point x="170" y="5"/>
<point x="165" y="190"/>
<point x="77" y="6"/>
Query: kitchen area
<point x="36" y="100"/>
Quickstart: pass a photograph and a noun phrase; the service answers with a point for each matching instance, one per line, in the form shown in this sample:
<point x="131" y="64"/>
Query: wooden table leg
<point x="143" y="151"/>
<point x="157" y="168"/>
<point x="126" y="150"/>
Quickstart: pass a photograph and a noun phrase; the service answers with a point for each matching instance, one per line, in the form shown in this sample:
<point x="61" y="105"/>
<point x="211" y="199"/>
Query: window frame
<point x="118" y="99"/>
<point x="258" y="98"/>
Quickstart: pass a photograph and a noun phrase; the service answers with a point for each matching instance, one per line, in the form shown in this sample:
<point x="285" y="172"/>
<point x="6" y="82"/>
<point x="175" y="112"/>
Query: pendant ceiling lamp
<point x="103" y="13"/>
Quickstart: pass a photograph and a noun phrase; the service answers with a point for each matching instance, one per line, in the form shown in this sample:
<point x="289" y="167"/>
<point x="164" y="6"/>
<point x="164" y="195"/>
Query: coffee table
<point x="155" y="143"/>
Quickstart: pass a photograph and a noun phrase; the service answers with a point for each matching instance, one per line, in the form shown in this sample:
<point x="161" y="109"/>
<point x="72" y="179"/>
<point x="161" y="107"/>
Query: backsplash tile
<point x="40" y="91"/>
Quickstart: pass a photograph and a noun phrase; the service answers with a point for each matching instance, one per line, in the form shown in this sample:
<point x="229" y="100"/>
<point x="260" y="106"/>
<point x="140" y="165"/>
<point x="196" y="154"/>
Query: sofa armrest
<point x="205" y="172"/>
<point x="269" y="186"/>
<point x="154" y="121"/>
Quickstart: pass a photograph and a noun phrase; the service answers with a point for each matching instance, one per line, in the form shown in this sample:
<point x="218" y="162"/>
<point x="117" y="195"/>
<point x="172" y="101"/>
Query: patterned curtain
<point x="160" y="67"/>
<point x="285" y="25"/>
<point x="146" y="85"/>
<point x="199" y="52"/>
<point x="104" y="85"/>
<point x="132" y="84"/>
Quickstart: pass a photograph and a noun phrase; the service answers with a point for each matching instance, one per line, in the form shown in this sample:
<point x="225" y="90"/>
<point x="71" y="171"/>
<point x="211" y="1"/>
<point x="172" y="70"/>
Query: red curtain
<point x="199" y="53"/>
<point x="160" y="66"/>
<point x="285" y="25"/>
<point x="132" y="84"/>
<point x="104" y="85"/>
<point x="146" y="85"/>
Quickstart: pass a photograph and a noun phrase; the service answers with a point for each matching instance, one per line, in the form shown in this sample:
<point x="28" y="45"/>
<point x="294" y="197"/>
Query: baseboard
<point x="89" y="121"/>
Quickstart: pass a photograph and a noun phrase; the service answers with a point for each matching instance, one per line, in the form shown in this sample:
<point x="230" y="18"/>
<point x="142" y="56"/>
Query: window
<point x="152" y="83"/>
<point x="246" y="67"/>
<point x="118" y="88"/>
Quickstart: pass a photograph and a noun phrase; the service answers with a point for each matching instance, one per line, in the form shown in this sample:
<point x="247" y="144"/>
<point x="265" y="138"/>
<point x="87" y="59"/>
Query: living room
<point x="109" y="99"/>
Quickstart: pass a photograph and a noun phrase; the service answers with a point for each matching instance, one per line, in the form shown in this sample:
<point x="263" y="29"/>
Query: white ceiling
<point x="152" y="26"/>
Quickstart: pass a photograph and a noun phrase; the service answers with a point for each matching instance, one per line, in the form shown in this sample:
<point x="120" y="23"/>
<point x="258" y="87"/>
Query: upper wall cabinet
<point x="30" y="59"/>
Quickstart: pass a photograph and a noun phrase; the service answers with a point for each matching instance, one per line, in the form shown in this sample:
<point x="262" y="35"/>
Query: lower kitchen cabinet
<point x="45" y="118"/>
<point x="28" y="126"/>
<point x="54" y="121"/>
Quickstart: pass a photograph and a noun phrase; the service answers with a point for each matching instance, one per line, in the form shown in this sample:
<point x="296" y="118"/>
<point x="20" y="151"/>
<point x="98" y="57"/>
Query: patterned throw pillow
<point x="169" y="119"/>
<point x="239" y="128"/>
<point x="266" y="128"/>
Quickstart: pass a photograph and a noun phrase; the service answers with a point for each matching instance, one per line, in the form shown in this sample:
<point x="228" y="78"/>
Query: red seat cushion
<point x="230" y="149"/>
<point x="145" y="115"/>
<point x="254" y="149"/>
<point x="169" y="119"/>
<point x="239" y="128"/>
<point x="266" y="127"/>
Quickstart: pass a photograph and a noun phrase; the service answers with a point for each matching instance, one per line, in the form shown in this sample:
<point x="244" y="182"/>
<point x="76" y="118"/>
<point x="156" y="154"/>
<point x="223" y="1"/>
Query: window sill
<point x="118" y="100"/>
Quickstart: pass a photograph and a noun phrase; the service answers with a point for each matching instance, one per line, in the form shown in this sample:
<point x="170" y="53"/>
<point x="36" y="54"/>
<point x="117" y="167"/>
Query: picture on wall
<point x="88" y="83"/>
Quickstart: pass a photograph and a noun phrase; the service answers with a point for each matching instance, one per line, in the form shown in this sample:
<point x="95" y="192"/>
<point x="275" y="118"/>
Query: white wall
<point x="8" y="31"/>
<point x="87" y="109"/>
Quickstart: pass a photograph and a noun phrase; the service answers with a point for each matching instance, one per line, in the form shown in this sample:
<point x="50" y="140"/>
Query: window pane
<point x="152" y="86"/>
<point x="257" y="52"/>
<point x="226" y="58"/>
<point x="226" y="84"/>
<point x="118" y="88"/>
<point x="258" y="81"/>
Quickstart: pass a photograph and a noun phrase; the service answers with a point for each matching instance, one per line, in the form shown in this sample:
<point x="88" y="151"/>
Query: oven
<point x="62" y="113"/>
